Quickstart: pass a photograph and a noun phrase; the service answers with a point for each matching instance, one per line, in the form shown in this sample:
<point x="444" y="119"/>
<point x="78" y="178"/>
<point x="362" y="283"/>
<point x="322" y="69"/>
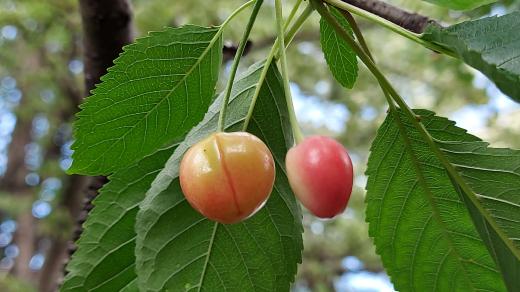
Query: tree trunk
<point x="13" y="183"/>
<point x="24" y="238"/>
<point x="107" y="27"/>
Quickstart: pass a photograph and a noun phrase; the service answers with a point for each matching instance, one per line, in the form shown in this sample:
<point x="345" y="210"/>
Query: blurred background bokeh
<point x="41" y="85"/>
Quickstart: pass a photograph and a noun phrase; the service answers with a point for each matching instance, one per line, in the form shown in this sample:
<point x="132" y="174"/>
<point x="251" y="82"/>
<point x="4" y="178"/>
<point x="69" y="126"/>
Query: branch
<point x="229" y="50"/>
<point x="107" y="27"/>
<point x="411" y="21"/>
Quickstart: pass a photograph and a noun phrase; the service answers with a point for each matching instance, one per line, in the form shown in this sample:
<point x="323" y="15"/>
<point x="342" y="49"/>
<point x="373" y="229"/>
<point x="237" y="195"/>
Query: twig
<point x="408" y="20"/>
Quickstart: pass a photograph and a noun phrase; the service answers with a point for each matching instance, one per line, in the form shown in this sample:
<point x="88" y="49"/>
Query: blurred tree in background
<point x="41" y="86"/>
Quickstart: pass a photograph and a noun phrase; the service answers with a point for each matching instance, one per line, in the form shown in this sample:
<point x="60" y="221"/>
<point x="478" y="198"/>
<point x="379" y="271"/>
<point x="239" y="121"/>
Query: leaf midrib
<point x="423" y="182"/>
<point x="467" y="191"/>
<point x="473" y="197"/>
<point x="338" y="43"/>
<point x="206" y="263"/>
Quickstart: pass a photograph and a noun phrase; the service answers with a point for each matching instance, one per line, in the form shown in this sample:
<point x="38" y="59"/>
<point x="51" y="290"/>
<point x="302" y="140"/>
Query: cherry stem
<point x="292" y="14"/>
<point x="236" y="61"/>
<point x="298" y="136"/>
<point x="357" y="32"/>
<point x="291" y="32"/>
<point x="361" y="39"/>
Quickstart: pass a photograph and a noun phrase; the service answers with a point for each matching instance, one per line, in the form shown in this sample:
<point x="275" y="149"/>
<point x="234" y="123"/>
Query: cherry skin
<point x="320" y="173"/>
<point x="227" y="177"/>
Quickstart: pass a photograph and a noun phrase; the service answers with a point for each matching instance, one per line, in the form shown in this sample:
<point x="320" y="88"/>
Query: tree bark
<point x="107" y="27"/>
<point x="410" y="21"/>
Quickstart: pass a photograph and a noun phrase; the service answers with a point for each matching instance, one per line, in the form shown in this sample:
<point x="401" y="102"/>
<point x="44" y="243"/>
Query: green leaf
<point x="493" y="176"/>
<point x="158" y="89"/>
<point x="461" y="4"/>
<point x="490" y="45"/>
<point x="105" y="260"/>
<point x="178" y="249"/>
<point x="420" y="224"/>
<point x="340" y="57"/>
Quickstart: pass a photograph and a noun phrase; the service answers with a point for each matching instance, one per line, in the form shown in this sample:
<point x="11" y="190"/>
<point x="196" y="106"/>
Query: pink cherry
<point x="320" y="174"/>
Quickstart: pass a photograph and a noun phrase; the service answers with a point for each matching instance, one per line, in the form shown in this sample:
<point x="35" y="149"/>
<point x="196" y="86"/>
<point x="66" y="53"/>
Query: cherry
<point x="320" y="174"/>
<point x="227" y="177"/>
